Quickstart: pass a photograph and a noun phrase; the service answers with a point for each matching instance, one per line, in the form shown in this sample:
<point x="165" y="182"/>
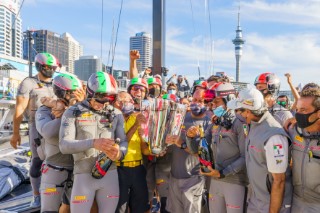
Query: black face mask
<point x="154" y="92"/>
<point x="47" y="73"/>
<point x="264" y="92"/>
<point x="303" y="119"/>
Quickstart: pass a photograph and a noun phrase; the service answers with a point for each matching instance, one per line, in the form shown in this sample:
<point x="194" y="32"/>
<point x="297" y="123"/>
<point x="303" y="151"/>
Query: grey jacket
<point x="306" y="165"/>
<point x="34" y="89"/>
<point x="80" y="126"/>
<point x="228" y="149"/>
<point x="48" y="127"/>
<point x="259" y="176"/>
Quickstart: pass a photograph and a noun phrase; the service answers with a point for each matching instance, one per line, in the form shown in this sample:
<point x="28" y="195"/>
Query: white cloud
<point x="297" y="54"/>
<point x="296" y="12"/>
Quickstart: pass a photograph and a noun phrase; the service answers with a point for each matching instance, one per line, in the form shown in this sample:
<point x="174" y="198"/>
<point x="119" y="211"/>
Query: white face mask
<point x="172" y="91"/>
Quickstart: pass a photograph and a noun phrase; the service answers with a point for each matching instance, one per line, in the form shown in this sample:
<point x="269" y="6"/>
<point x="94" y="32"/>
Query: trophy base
<point x="156" y="151"/>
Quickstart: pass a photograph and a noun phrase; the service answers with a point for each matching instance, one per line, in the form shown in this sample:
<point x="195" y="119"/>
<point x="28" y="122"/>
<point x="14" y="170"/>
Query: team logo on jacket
<point x="278" y="150"/>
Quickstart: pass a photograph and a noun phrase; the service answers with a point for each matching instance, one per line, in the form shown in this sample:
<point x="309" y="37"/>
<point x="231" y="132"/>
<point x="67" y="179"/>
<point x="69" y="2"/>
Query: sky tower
<point x="238" y="42"/>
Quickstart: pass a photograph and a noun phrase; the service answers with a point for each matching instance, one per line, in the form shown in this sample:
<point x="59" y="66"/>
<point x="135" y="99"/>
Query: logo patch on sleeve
<point x="278" y="150"/>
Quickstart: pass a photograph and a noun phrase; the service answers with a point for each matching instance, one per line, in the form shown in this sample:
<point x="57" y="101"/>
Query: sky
<point x="281" y="35"/>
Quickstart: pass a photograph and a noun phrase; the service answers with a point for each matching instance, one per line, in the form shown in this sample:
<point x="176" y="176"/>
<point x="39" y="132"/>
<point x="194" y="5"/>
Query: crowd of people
<point x="264" y="149"/>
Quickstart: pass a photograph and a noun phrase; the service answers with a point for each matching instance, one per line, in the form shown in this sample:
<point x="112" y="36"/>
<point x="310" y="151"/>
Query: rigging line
<point x="18" y="13"/>
<point x="111" y="43"/>
<point x="101" y="30"/>
<point x="115" y="43"/>
<point x="211" y="40"/>
<point x="194" y="31"/>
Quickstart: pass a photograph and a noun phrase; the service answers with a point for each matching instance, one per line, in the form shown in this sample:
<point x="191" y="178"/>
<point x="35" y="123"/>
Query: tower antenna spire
<point x="238" y="42"/>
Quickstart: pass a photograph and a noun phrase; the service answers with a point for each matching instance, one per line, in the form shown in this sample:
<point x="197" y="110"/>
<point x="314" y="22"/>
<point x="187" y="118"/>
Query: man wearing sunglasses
<point x="30" y="92"/>
<point x="138" y="89"/>
<point x="88" y="128"/>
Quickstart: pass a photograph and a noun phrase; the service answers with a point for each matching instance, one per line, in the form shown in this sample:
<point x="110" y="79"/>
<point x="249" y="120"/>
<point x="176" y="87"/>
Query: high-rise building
<point x="238" y="42"/>
<point x="142" y="42"/>
<point x="47" y="41"/>
<point x="10" y="28"/>
<point x="86" y="65"/>
<point x="75" y="50"/>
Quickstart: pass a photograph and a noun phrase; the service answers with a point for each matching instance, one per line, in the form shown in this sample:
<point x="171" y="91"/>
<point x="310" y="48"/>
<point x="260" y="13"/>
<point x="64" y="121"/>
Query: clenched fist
<point x="134" y="54"/>
<point x="193" y="131"/>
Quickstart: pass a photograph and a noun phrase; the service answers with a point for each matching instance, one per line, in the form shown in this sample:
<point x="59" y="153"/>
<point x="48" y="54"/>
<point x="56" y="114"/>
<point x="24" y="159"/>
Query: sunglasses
<point x="282" y="103"/>
<point x="48" y="67"/>
<point x="138" y="87"/>
<point x="104" y="98"/>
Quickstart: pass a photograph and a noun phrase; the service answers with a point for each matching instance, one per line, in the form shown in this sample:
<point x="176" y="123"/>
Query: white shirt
<point x="277" y="154"/>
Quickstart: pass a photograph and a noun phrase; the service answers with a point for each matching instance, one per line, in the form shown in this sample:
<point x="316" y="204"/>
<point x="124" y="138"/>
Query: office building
<point x="10" y="28"/>
<point x="142" y="42"/>
<point x="86" y="65"/>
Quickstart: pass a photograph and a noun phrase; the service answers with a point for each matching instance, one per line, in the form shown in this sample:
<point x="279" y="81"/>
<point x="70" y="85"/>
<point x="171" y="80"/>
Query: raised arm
<point x="133" y="71"/>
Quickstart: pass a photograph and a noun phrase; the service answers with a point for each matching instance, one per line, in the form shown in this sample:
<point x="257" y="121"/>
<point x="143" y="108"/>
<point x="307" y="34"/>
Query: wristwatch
<point x="183" y="145"/>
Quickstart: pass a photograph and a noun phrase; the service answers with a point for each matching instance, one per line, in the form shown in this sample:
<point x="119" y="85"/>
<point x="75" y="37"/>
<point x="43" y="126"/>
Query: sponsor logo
<point x="298" y="138"/>
<point x="255" y="149"/>
<point x="112" y="196"/>
<point x="80" y="199"/>
<point x="278" y="161"/>
<point x="233" y="206"/>
<point x="51" y="191"/>
<point x="160" y="181"/>
<point x="86" y="115"/>
<point x="248" y="102"/>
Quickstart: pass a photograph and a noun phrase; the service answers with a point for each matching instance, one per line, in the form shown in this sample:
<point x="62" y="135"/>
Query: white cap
<point x="251" y="99"/>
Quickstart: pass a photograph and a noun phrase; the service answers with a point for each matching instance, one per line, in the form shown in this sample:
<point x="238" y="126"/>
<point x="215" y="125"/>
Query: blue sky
<point x="281" y="35"/>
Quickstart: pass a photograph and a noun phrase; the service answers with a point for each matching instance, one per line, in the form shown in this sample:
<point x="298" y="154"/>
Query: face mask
<point x="303" y="119"/>
<point x="264" y="92"/>
<point x="197" y="109"/>
<point x="154" y="92"/>
<point x="127" y="108"/>
<point x="219" y="111"/>
<point x="172" y="91"/>
<point x="47" y="73"/>
<point x="137" y="100"/>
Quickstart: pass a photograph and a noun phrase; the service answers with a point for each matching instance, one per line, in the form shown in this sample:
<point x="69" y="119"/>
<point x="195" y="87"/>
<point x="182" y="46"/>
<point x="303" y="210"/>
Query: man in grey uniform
<point x="227" y="139"/>
<point x="305" y="136"/>
<point x="30" y="91"/>
<point x="186" y="185"/>
<point x="87" y="128"/>
<point x="266" y="155"/>
<point x="269" y="85"/>
<point x="56" y="180"/>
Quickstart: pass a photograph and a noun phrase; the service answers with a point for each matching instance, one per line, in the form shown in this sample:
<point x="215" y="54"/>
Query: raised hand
<point x="134" y="54"/>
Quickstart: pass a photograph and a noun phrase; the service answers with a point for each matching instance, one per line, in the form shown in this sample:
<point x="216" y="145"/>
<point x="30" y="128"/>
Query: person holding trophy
<point x="227" y="142"/>
<point x="88" y="129"/>
<point x="186" y="185"/>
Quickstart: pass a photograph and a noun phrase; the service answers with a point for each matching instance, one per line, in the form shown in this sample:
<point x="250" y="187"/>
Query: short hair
<point x="310" y="85"/>
<point x="312" y="92"/>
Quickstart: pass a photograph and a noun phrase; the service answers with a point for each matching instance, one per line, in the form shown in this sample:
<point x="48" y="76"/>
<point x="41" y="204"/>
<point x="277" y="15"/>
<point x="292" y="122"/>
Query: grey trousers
<point x="86" y="188"/>
<point x="185" y="195"/>
<point x="226" y="197"/>
<point x="35" y="166"/>
<point x="299" y="206"/>
<point x="258" y="206"/>
<point x="51" y="192"/>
